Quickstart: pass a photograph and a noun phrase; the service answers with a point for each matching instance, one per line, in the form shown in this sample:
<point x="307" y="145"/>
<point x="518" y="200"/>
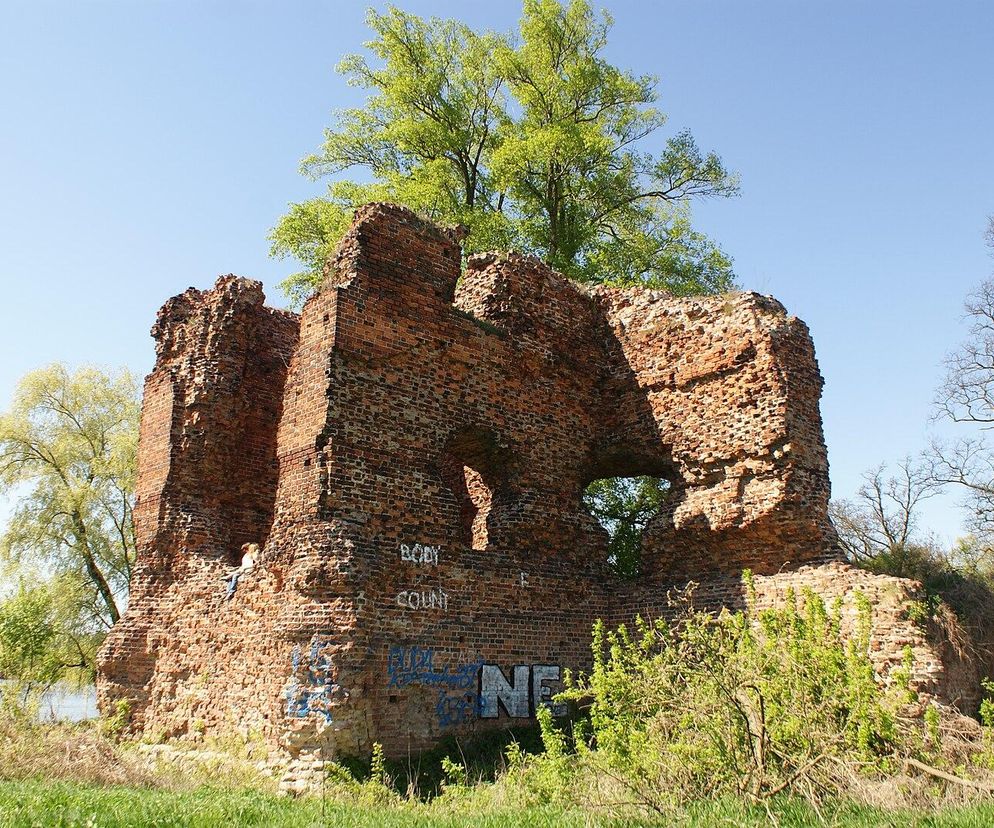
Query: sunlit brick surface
<point x="411" y="452"/>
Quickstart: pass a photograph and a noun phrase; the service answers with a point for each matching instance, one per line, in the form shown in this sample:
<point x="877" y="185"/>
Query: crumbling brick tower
<point x="411" y="453"/>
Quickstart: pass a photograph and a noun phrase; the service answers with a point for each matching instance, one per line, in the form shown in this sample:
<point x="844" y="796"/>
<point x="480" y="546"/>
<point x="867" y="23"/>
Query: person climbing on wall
<point x="250" y="554"/>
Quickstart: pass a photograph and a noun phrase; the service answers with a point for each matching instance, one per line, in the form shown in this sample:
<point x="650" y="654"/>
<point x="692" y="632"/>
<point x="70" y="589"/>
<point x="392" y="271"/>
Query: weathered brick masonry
<point x="411" y="452"/>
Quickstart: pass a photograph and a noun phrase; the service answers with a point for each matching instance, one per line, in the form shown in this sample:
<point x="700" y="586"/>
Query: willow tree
<point x="67" y="460"/>
<point x="533" y="141"/>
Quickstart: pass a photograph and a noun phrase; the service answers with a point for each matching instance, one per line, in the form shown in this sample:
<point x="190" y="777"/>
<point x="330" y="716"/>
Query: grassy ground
<point x="73" y="775"/>
<point x="41" y="803"/>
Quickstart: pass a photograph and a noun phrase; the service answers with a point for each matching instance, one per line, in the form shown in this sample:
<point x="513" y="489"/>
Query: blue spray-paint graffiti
<point x="475" y="690"/>
<point x="407" y="664"/>
<point x="310" y="690"/>
<point x="416" y="665"/>
<point x="456" y="710"/>
<point x="458" y="701"/>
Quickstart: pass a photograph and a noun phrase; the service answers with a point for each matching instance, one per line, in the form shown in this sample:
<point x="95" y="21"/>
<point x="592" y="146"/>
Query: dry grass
<point x="82" y="753"/>
<point x="74" y="753"/>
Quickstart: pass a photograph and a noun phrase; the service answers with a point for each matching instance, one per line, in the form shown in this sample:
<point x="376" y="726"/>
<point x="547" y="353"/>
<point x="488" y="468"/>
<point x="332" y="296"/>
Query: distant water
<point x="68" y="704"/>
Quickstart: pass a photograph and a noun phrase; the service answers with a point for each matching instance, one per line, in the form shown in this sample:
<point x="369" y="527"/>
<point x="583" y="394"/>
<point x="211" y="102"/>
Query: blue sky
<point x="149" y="146"/>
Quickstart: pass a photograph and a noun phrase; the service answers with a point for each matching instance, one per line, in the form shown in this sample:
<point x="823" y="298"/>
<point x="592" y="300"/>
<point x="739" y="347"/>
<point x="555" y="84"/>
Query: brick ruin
<point x="411" y="451"/>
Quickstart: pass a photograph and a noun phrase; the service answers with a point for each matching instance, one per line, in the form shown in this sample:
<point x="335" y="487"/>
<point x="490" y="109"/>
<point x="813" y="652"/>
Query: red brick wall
<point x="391" y="578"/>
<point x="206" y="480"/>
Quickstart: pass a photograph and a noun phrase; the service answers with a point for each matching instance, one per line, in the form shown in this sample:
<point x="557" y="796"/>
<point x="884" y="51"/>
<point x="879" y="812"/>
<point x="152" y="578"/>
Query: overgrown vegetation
<point x="880" y="530"/>
<point x="699" y="719"/>
<point x="750" y="704"/>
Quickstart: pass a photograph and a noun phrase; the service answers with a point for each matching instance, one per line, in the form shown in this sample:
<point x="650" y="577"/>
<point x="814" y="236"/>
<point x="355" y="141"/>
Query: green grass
<point x="39" y="803"/>
<point x="482" y="755"/>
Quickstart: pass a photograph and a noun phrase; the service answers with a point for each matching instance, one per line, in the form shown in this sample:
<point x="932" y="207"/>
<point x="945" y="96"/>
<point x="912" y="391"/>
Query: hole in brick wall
<point x="481" y="498"/>
<point x="473" y="464"/>
<point x="624" y="506"/>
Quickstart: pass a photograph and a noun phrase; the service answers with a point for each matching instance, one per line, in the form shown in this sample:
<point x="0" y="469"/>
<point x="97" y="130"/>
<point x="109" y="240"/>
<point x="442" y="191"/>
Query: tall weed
<point x="750" y="704"/>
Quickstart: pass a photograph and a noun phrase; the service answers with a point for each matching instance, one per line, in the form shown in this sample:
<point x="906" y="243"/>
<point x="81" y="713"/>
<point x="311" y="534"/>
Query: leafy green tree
<point x="587" y="199"/>
<point x="44" y="637"/>
<point x="624" y="506"/>
<point x="535" y="143"/>
<point x="424" y="136"/>
<point x="67" y="458"/>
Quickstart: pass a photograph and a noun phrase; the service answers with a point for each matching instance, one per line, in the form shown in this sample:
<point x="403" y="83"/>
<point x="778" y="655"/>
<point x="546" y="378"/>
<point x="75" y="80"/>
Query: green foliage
<point x="28" y="638"/>
<point x="115" y="724"/>
<point x="473" y="758"/>
<point x="67" y="459"/>
<point x="534" y="143"/>
<point x="931" y="720"/>
<point x="986" y="757"/>
<point x="43" y="640"/>
<point x="33" y="803"/>
<point x="987" y="705"/>
<point x="436" y="105"/>
<point x="378" y="770"/>
<point x="751" y="704"/>
<point x="71" y="775"/>
<point x="624" y="506"/>
<point x="374" y="788"/>
<point x="588" y="200"/>
<point x="455" y="772"/>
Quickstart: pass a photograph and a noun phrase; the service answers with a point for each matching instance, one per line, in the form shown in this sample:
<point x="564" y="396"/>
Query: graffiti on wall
<point x="526" y="691"/>
<point x="416" y="665"/>
<point x="434" y="598"/>
<point x="457" y="700"/>
<point x="423" y="599"/>
<point x="474" y="690"/>
<point x="420" y="553"/>
<point x="310" y="687"/>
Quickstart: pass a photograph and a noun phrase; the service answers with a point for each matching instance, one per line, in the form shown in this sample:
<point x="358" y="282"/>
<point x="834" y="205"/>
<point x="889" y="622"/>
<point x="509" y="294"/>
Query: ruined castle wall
<point x="733" y="388"/>
<point x="416" y="391"/>
<point x="206" y="483"/>
<point x="208" y="423"/>
<point x="412" y="451"/>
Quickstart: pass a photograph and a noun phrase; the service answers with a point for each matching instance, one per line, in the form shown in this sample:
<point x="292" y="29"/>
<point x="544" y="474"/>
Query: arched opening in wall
<point x="474" y="466"/>
<point x="477" y="503"/>
<point x="624" y="506"/>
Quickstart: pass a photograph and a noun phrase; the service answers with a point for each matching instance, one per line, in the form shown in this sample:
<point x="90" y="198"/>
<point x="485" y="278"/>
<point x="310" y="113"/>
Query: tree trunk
<point x="93" y="570"/>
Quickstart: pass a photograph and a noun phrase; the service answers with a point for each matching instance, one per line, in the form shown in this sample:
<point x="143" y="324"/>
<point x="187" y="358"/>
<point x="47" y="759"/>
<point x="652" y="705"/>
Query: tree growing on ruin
<point x="67" y="460"/>
<point x="533" y="142"/>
